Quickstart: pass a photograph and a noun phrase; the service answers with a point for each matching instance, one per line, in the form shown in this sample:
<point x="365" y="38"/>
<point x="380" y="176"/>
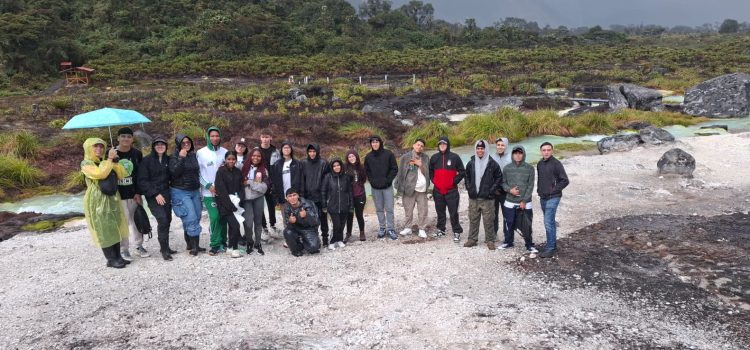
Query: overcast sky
<point x="576" y="13"/>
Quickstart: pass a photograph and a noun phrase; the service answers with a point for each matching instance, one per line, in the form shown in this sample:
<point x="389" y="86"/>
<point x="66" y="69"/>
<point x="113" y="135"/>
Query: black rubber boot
<point x="166" y="255"/>
<point x="117" y="255"/>
<point x="194" y="246"/>
<point x="187" y="240"/>
<point x="112" y="260"/>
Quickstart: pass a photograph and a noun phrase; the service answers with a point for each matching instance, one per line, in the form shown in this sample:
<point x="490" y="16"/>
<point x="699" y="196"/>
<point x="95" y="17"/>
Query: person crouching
<point x="301" y="223"/>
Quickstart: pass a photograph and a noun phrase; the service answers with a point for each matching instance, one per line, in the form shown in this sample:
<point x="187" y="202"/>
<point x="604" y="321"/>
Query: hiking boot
<point x="166" y="256"/>
<point x="171" y="251"/>
<point x="392" y="235"/>
<point x="491" y="245"/>
<point x="347" y="237"/>
<point x="125" y="254"/>
<point x="506" y="246"/>
<point x="470" y="243"/>
<point x="548" y="253"/>
<point x="531" y="250"/>
<point x="142" y="252"/>
<point x="362" y="236"/>
<point x="381" y="233"/>
<point x="406" y="231"/>
<point x="456" y="237"/>
<point x="422" y="234"/>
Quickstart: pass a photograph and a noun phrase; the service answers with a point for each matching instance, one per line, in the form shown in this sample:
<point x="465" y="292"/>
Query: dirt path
<point x="57" y="294"/>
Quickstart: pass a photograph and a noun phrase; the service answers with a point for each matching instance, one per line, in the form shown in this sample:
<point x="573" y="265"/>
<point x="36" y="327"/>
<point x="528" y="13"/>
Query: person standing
<point x="153" y="183"/>
<point x="552" y="179"/>
<point x="357" y="173"/>
<point x="256" y="179"/>
<point x="129" y="158"/>
<point x="210" y="158"/>
<point x="104" y="213"/>
<point x="446" y="172"/>
<point x="483" y="177"/>
<point x="518" y="182"/>
<point x="184" y="182"/>
<point x="241" y="148"/>
<point x="338" y="201"/>
<point x="381" y="168"/>
<point x="286" y="173"/>
<point x="300" y="224"/>
<point x="314" y="169"/>
<point x="229" y="195"/>
<point x="411" y="184"/>
<point x="270" y="156"/>
<point x="502" y="158"/>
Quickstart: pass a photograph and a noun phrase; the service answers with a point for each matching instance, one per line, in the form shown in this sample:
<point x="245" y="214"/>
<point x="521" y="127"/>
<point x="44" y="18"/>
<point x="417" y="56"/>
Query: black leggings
<point x="359" y="209"/>
<point x="234" y="230"/>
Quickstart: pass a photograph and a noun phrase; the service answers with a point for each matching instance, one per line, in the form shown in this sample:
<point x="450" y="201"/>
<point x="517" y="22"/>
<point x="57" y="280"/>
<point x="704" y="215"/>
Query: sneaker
<point x="222" y="249"/>
<point x="548" y="253"/>
<point x="438" y="233"/>
<point x="470" y="243"/>
<point x="491" y="245"/>
<point x="340" y="244"/>
<point x="126" y="255"/>
<point x="235" y="253"/>
<point x="285" y="245"/>
<point x="213" y="251"/>
<point x="392" y="235"/>
<point x="456" y="237"/>
<point x="381" y="232"/>
<point x="506" y="246"/>
<point x="332" y="246"/>
<point x="264" y="236"/>
<point x="422" y="234"/>
<point x="531" y="250"/>
<point x="142" y="252"/>
<point x="404" y="232"/>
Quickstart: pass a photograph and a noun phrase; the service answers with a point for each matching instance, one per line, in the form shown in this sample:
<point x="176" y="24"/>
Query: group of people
<point x="236" y="186"/>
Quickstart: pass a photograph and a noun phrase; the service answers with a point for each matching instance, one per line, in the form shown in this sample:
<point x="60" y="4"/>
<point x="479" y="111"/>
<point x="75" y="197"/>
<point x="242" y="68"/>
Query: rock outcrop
<point x="622" y="96"/>
<point x="726" y="96"/>
<point x="676" y="161"/>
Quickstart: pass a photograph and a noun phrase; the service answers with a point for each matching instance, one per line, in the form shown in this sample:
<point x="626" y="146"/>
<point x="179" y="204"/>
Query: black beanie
<point x="125" y="131"/>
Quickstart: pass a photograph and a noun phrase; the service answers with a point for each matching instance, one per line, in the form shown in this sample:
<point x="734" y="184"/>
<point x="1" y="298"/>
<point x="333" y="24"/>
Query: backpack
<point x="141" y="221"/>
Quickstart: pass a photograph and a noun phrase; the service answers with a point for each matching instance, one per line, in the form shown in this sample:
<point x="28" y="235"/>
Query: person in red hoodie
<point x="446" y="172"/>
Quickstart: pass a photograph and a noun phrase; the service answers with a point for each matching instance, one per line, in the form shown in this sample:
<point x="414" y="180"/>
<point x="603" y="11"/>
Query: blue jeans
<point x="549" y="209"/>
<point x="187" y="206"/>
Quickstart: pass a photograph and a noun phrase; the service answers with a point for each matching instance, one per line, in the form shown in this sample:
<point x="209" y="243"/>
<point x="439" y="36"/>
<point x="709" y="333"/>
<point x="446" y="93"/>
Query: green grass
<point x="42" y="226"/>
<point x="74" y="181"/>
<point x="18" y="173"/>
<point x="576" y="147"/>
<point x="430" y="132"/>
<point x="21" y="144"/>
<point x="357" y="130"/>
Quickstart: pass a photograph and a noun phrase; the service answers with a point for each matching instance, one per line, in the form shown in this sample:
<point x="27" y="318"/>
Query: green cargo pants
<point x="217" y="226"/>
<point x="482" y="209"/>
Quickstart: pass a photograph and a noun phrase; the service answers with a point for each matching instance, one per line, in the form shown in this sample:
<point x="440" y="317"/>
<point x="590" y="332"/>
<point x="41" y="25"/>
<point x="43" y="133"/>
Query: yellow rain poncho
<point x="104" y="214"/>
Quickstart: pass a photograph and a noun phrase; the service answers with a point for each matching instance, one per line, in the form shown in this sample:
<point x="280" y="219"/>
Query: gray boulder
<point x="676" y="161"/>
<point x="655" y="136"/>
<point x="294" y="93"/>
<point x="301" y="98"/>
<point x="721" y="97"/>
<point x="618" y="143"/>
<point x="633" y="96"/>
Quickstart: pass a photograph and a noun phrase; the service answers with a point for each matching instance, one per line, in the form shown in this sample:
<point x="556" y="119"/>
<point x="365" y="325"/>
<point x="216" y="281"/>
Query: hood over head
<point x="157" y="139"/>
<point x="505" y="141"/>
<point x="316" y="147"/>
<point x="516" y="149"/>
<point x="208" y="139"/>
<point x="178" y="143"/>
<point x="373" y="138"/>
<point x="340" y="164"/>
<point x="356" y="156"/>
<point x="445" y="140"/>
<point x="88" y="148"/>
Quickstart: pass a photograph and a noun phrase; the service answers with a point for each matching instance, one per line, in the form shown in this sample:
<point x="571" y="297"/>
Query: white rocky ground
<point x="57" y="294"/>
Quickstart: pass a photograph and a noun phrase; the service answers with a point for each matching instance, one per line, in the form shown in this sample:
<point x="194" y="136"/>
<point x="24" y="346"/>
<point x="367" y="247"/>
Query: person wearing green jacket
<point x="518" y="182"/>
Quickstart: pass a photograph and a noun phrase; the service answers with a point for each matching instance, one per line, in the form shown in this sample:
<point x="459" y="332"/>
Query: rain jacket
<point x="520" y="175"/>
<point x="184" y="172"/>
<point x="153" y="174"/>
<point x="313" y="172"/>
<point x="337" y="191"/>
<point x="277" y="176"/>
<point x="491" y="180"/>
<point x="358" y="174"/>
<point x="104" y="214"/>
<point x="311" y="221"/>
<point x="406" y="181"/>
<point x="210" y="159"/>
<point x="381" y="166"/>
<point x="446" y="169"/>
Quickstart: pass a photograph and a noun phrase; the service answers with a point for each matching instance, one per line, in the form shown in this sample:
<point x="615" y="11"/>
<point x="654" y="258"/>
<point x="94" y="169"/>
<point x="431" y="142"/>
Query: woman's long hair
<point x="247" y="162"/>
<point x="358" y="168"/>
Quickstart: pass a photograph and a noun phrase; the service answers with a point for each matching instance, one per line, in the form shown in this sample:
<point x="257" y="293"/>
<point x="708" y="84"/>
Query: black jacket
<point x="228" y="181"/>
<point x="551" y="178"/>
<point x="381" y="167"/>
<point x="184" y="173"/>
<point x="153" y="176"/>
<point x="337" y="193"/>
<point x="311" y="221"/>
<point x="277" y="178"/>
<point x="491" y="180"/>
<point x="313" y="172"/>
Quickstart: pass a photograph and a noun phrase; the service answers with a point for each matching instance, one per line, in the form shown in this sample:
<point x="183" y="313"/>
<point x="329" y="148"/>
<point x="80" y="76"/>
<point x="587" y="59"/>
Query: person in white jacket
<point x="210" y="159"/>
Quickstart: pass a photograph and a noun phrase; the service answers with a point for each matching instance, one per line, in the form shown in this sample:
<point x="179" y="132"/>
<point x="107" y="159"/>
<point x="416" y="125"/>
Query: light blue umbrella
<point x="108" y="117"/>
